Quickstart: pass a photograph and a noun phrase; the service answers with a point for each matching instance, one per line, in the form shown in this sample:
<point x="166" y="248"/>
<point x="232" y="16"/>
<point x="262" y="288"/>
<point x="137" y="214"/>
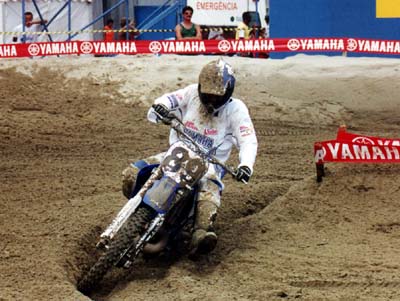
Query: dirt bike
<point x="162" y="206"/>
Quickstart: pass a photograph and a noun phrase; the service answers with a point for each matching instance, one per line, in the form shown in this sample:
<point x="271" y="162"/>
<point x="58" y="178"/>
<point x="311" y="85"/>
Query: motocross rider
<point x="217" y="121"/>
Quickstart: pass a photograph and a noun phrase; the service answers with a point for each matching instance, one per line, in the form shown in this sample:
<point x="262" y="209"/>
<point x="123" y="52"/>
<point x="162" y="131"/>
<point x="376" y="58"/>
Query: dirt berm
<point x="68" y="126"/>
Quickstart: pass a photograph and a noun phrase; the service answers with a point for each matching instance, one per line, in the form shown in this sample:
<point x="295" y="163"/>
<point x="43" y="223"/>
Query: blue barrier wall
<point x="329" y="18"/>
<point x="169" y="22"/>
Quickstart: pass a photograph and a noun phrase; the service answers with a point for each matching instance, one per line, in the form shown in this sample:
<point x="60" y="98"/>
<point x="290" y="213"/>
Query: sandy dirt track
<point x="69" y="125"/>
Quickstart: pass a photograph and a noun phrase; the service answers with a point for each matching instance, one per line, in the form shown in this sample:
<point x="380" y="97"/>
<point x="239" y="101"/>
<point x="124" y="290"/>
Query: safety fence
<point x="355" y="148"/>
<point x="341" y="45"/>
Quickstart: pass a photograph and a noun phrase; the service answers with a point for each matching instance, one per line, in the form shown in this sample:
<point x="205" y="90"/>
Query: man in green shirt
<point x="186" y="29"/>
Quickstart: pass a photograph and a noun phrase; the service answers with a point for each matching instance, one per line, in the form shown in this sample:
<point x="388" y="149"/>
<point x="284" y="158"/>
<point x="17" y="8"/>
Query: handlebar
<point x="178" y="126"/>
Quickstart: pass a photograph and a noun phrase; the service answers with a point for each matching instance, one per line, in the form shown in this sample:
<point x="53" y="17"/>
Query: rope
<point x="103" y="31"/>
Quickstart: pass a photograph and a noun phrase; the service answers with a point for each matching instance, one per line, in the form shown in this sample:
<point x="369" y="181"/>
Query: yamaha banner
<point x="200" y="47"/>
<point x="349" y="147"/>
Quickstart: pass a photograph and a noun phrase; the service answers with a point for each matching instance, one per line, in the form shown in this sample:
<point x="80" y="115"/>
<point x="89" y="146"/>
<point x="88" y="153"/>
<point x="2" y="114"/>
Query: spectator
<point x="186" y="29"/>
<point x="266" y="29"/>
<point x="109" y="34"/>
<point x="30" y="27"/>
<point x="243" y="30"/>
<point x="133" y="33"/>
<point x="261" y="33"/>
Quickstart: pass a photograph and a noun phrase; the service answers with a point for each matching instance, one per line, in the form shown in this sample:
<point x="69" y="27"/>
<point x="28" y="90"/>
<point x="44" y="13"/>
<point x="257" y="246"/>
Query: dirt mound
<point x="66" y="134"/>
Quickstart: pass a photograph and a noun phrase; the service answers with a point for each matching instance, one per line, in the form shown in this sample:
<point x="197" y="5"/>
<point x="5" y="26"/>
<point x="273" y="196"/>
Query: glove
<point x="243" y="174"/>
<point x="163" y="111"/>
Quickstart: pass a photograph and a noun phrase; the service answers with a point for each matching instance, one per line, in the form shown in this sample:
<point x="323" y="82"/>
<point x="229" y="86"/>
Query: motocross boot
<point x="203" y="242"/>
<point x="130" y="173"/>
<point x="204" y="238"/>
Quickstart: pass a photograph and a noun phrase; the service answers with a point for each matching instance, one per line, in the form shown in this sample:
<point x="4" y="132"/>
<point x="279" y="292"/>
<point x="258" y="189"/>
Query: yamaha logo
<point x="293" y="44"/>
<point x="224" y="46"/>
<point x="155" y="47"/>
<point x="86" y="47"/>
<point x="351" y="44"/>
<point x="363" y="140"/>
<point x="33" y="49"/>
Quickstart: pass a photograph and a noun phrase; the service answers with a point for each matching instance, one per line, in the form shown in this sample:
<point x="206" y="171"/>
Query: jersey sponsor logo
<point x="205" y="141"/>
<point x="210" y="132"/>
<point x="191" y="125"/>
<point x="245" y="131"/>
<point x="173" y="101"/>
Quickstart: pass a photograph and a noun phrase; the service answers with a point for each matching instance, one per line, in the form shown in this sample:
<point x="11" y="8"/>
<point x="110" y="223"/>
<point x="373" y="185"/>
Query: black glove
<point x="163" y="111"/>
<point x="243" y="174"/>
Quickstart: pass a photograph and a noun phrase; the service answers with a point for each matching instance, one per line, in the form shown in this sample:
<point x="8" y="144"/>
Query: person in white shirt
<point x="218" y="122"/>
<point x="266" y="32"/>
<point x="31" y="26"/>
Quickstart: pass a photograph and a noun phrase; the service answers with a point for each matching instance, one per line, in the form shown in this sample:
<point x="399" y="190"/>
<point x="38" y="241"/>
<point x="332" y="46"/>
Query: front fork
<point x="127" y="258"/>
<point x="129" y="208"/>
<point x="133" y="251"/>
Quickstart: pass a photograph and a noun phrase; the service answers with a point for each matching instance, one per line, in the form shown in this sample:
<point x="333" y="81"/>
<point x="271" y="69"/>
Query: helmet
<point x="216" y="84"/>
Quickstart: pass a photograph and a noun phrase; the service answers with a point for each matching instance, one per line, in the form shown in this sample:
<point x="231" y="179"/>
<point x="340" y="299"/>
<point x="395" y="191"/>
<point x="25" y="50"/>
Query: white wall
<point x="225" y="13"/>
<point x="1" y="23"/>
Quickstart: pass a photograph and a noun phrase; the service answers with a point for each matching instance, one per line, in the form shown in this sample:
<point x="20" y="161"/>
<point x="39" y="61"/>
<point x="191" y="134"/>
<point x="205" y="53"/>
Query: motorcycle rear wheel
<point x="133" y="228"/>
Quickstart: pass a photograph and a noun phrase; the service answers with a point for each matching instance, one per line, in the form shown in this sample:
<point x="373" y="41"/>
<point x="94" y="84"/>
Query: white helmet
<point x="216" y="84"/>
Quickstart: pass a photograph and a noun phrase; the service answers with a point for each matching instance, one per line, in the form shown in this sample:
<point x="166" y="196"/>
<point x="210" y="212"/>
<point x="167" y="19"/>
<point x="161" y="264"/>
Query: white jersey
<point x="231" y="125"/>
<point x="29" y="37"/>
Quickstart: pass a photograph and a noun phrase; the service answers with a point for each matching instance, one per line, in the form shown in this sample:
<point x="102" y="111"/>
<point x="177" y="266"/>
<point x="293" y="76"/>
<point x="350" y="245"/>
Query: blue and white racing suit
<point x="229" y="126"/>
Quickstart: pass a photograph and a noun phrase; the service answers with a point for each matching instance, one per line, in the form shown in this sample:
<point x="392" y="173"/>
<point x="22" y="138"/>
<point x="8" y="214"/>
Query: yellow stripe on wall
<point x="388" y="8"/>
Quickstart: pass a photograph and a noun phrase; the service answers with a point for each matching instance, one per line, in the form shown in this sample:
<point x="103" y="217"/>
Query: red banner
<point x="349" y="147"/>
<point x="343" y="135"/>
<point x="341" y="151"/>
<point x="200" y="47"/>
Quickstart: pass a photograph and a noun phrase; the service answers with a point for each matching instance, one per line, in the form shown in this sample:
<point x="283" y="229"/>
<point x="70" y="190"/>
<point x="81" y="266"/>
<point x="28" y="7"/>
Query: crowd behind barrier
<point x="229" y="32"/>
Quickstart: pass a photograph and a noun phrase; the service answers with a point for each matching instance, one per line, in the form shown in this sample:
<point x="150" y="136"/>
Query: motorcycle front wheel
<point x="121" y="242"/>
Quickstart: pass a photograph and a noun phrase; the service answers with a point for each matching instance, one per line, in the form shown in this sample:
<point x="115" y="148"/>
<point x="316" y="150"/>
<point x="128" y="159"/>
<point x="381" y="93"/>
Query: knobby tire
<point x="133" y="228"/>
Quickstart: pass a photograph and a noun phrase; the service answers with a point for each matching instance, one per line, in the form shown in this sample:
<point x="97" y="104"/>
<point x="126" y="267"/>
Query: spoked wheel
<point x="133" y="228"/>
